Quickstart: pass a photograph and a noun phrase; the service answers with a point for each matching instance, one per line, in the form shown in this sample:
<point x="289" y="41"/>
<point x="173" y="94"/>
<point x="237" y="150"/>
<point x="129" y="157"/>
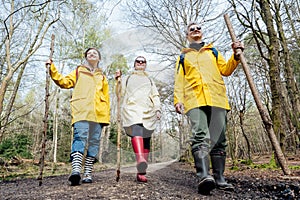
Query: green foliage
<point x="271" y="165"/>
<point x="84" y="26"/>
<point x="18" y="145"/>
<point x="119" y="63"/>
<point x="64" y="142"/>
<point x="113" y="133"/>
<point x="235" y="168"/>
<point x="246" y="162"/>
<point x="295" y="167"/>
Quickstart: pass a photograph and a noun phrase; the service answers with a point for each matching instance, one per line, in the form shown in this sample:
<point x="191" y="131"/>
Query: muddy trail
<point x="172" y="180"/>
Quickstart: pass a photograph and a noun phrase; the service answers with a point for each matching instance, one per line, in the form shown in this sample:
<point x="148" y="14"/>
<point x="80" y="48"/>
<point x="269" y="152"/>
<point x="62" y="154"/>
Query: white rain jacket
<point x="139" y="100"/>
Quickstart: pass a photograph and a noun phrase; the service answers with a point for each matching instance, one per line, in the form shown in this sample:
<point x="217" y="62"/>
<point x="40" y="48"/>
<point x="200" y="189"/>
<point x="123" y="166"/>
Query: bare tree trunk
<point x="153" y="150"/>
<point x="291" y="20"/>
<point x="101" y="146"/>
<point x="241" y="116"/>
<point x="161" y="146"/>
<point x="274" y="73"/>
<point x="45" y="120"/>
<point x="17" y="60"/>
<point x="231" y="137"/>
<point x="107" y="143"/>
<point x="12" y="98"/>
<point x="104" y="142"/>
<point x="181" y="145"/>
<point x="291" y="85"/>
<point x="55" y="125"/>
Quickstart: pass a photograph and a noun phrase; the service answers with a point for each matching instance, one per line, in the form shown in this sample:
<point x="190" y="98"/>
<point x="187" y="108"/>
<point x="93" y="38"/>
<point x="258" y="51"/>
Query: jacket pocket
<point x="102" y="98"/>
<point x="130" y="101"/>
<point x="77" y="104"/>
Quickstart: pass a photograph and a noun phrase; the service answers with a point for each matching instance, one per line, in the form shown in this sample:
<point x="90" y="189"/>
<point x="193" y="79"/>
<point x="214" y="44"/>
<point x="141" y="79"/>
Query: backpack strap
<point x="127" y="80"/>
<point x="215" y="52"/>
<point x="181" y="62"/>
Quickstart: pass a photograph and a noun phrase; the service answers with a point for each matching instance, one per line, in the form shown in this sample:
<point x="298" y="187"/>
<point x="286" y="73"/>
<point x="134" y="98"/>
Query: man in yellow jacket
<point x="200" y="93"/>
<point x="90" y="111"/>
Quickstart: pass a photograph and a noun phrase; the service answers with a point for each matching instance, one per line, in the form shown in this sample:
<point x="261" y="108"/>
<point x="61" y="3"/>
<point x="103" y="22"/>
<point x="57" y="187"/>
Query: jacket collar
<point x="204" y="47"/>
<point x="95" y="70"/>
<point x="139" y="72"/>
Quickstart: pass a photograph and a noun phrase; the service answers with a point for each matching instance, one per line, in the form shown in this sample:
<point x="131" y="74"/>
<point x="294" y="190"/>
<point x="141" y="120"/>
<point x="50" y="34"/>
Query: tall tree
<point x="264" y="19"/>
<point x="167" y="20"/>
<point x="82" y="26"/>
<point x="25" y="27"/>
<point x="290" y="76"/>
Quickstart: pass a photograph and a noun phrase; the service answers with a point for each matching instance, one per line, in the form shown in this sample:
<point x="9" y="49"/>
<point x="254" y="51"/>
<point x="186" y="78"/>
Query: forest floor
<point x="169" y="180"/>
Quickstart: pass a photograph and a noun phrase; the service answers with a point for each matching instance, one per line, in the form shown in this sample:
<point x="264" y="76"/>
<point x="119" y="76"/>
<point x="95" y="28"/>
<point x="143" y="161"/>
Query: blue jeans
<point x="87" y="133"/>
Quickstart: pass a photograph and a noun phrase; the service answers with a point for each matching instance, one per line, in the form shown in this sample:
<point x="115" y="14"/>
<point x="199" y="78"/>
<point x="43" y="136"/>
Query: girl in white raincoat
<point x="140" y="109"/>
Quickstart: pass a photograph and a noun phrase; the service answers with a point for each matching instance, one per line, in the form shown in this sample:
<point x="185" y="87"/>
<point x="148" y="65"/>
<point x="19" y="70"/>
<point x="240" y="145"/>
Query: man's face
<point x="194" y="33"/>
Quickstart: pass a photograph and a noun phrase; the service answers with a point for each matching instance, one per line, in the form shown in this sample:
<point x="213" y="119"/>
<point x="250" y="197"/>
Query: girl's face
<point x="92" y="56"/>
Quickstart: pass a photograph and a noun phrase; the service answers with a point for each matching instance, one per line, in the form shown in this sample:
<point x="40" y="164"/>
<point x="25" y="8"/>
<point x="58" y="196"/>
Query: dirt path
<point x="172" y="180"/>
<point x="151" y="167"/>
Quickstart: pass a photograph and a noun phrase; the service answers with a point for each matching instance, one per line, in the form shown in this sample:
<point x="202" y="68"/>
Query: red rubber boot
<point x="146" y="154"/>
<point x="141" y="176"/>
<point x="138" y="148"/>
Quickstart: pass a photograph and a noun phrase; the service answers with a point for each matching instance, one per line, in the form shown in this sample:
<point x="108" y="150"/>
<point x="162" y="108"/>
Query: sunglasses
<point x="194" y="28"/>
<point x="140" y="61"/>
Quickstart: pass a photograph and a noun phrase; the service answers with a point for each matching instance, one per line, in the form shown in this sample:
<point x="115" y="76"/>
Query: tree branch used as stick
<point x="118" y="91"/>
<point x="45" y="120"/>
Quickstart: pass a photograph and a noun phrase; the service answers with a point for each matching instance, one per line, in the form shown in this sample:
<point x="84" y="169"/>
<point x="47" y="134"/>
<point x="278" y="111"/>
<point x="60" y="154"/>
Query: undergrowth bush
<point x="18" y="145"/>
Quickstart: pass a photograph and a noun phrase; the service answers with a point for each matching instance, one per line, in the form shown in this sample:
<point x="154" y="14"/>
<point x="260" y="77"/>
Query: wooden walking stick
<point x="118" y="91"/>
<point x="45" y="120"/>
<point x="262" y="110"/>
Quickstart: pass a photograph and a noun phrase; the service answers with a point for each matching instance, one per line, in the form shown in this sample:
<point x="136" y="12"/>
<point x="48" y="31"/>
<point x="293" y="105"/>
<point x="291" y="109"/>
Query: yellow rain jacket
<point x="90" y="97"/>
<point x="202" y="84"/>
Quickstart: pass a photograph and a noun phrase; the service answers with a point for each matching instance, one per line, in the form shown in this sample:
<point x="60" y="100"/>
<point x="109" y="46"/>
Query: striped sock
<point x="88" y="166"/>
<point x="76" y="162"/>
